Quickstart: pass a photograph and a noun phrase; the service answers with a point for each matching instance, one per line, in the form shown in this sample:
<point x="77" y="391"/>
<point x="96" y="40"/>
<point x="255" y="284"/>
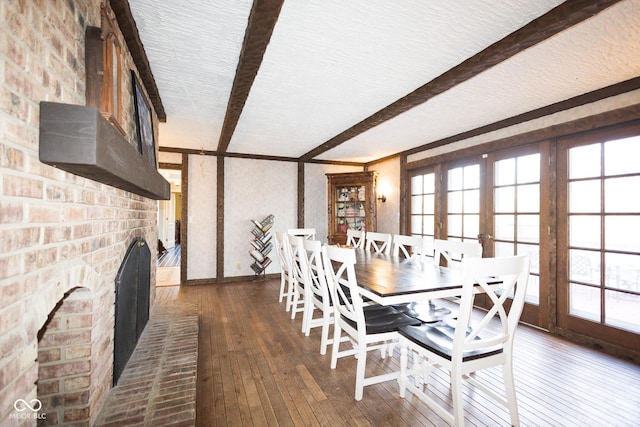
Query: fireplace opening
<point x="64" y="361"/>
<point x="133" y="283"/>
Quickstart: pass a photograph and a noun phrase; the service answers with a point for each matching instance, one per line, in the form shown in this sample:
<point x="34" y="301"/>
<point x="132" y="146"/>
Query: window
<point x="463" y="202"/>
<point x="603" y="214"/>
<point x="516" y="213"/>
<point x="423" y="202"/>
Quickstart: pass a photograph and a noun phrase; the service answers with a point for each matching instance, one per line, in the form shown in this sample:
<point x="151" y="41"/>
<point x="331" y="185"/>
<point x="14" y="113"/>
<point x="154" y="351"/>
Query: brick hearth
<point x="158" y="385"/>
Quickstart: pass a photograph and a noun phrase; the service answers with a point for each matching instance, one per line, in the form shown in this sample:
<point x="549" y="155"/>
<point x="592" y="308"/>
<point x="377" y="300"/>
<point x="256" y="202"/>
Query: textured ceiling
<point x="331" y="64"/>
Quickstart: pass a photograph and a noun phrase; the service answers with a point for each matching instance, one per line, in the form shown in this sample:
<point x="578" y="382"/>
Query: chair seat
<point x="426" y="311"/>
<point x="381" y="319"/>
<point x="438" y="338"/>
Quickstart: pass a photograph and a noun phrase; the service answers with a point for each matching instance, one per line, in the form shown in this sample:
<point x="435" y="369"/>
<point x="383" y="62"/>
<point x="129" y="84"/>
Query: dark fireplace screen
<point x="132" y="303"/>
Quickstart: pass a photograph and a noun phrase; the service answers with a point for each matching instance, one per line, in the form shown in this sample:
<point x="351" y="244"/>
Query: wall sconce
<point x="382" y="198"/>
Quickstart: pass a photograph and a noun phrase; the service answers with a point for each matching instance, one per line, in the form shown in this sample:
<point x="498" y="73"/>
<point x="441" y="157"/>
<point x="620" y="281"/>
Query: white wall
<point x="389" y="183"/>
<point x="253" y="190"/>
<point x="202" y="217"/>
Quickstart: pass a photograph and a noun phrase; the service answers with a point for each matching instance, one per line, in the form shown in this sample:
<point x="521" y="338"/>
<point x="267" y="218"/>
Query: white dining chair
<point x="307" y="233"/>
<point x="297" y="270"/>
<point x="367" y="328"/>
<point x="473" y="342"/>
<point x="355" y="238"/>
<point x="380" y="243"/>
<point x="407" y="246"/>
<point x="286" y="275"/>
<point x="317" y="296"/>
<point x="453" y="251"/>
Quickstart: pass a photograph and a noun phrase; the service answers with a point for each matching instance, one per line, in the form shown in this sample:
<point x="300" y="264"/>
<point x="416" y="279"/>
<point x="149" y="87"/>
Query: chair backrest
<point x="380" y="243"/>
<point x="294" y="246"/>
<point x="455" y="251"/>
<point x="280" y="250"/>
<point x="307" y="233"/>
<point x="341" y="279"/>
<point x="408" y="246"/>
<point x="514" y="273"/>
<point x="355" y="238"/>
<point x="311" y="252"/>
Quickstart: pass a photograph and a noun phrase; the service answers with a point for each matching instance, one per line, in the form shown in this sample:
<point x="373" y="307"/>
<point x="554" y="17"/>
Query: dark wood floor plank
<point x="256" y="368"/>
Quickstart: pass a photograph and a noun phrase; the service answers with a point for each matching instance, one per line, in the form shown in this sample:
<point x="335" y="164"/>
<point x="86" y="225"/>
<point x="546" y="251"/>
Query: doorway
<point x="169" y="218"/>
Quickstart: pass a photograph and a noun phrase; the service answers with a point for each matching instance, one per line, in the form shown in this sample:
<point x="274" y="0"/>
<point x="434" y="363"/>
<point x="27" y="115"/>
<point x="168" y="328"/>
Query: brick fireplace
<point x="62" y="236"/>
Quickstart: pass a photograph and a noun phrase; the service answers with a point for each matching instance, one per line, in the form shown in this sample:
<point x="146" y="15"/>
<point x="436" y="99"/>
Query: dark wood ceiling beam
<point x="553" y="22"/>
<point x="262" y="19"/>
<point x="130" y="33"/>
<point x="577" y="101"/>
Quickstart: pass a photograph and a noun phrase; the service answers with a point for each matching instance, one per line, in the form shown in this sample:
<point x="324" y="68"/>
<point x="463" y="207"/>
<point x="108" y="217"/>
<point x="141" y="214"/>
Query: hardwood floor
<point x="255" y="368"/>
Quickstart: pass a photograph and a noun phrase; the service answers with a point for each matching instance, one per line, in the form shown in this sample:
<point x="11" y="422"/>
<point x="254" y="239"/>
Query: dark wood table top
<point x="393" y="280"/>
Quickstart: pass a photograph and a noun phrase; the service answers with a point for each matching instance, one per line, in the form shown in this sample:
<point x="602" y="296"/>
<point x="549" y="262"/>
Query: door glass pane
<point x="471" y="226"/>
<point x="454" y="224"/>
<point x="528" y="228"/>
<point x="455" y="202"/>
<point x="534" y="258"/>
<point x="429" y="223"/>
<point x="429" y="183"/>
<point x="504" y="249"/>
<point x="622" y="233"/>
<point x="504" y="199"/>
<point x="584" y="301"/>
<point x="622" y="195"/>
<point x="623" y="271"/>
<point x="472" y="201"/>
<point x="584" y="266"/>
<point x="416" y="224"/>
<point x="472" y="176"/>
<point x="504" y="227"/>
<point x="416" y="184"/>
<point x="584" y="231"/>
<point x="621" y="156"/>
<point x="505" y="172"/>
<point x="529" y="198"/>
<point x="622" y="310"/>
<point x="429" y="203"/>
<point x="529" y="168"/>
<point x="584" y="162"/>
<point x="416" y="205"/>
<point x="455" y="179"/>
<point x="584" y="196"/>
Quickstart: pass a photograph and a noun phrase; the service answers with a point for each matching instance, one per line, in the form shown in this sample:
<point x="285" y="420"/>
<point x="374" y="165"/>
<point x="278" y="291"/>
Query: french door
<point x="496" y="198"/>
<point x="517" y="220"/>
<point x="599" y="235"/>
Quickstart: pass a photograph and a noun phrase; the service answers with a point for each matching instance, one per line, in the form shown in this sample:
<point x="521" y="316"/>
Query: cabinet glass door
<point x="350" y="208"/>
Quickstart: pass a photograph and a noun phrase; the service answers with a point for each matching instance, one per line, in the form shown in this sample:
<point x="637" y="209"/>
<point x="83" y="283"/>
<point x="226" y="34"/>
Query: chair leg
<point x="324" y="336"/>
<point x="402" y="378"/>
<point x="291" y="286"/>
<point x="337" y="331"/>
<point x="456" y="397"/>
<point x="510" y="390"/>
<point x="360" y="370"/>
<point x="283" y="282"/>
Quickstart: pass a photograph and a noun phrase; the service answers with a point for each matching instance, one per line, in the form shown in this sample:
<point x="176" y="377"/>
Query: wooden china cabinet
<point x="351" y="205"/>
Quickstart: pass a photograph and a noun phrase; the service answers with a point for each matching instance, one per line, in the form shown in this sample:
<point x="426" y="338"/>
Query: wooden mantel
<point x="81" y="141"/>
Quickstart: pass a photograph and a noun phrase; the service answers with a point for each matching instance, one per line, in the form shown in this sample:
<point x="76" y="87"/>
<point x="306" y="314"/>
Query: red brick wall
<point x="58" y="231"/>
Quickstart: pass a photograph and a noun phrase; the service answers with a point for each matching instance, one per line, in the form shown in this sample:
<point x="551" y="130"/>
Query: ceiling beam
<point x="556" y="20"/>
<point x="262" y="19"/>
<point x="577" y="101"/>
<point x="130" y="33"/>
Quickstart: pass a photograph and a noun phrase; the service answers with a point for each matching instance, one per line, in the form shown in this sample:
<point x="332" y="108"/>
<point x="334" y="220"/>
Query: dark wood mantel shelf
<point x="79" y="140"/>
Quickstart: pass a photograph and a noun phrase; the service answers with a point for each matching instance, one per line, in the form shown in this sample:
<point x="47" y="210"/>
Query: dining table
<point x="389" y="280"/>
